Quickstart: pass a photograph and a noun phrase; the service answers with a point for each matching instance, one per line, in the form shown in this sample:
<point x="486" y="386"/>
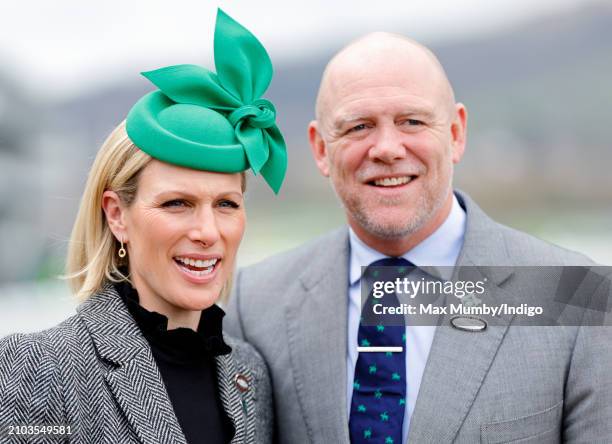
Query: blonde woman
<point x="152" y="251"/>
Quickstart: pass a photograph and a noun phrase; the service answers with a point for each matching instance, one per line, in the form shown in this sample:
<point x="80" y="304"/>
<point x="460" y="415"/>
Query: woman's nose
<point x="205" y="229"/>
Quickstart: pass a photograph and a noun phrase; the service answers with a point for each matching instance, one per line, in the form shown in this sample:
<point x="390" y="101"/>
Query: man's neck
<point x="398" y="246"/>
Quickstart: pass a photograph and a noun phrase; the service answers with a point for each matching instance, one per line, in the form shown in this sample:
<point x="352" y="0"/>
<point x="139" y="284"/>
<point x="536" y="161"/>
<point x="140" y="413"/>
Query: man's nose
<point x="205" y="228"/>
<point x="388" y="146"/>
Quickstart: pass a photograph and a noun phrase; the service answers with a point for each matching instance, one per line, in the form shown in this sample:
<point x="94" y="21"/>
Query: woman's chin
<point x="196" y="293"/>
<point x="196" y="301"/>
<point x="200" y="297"/>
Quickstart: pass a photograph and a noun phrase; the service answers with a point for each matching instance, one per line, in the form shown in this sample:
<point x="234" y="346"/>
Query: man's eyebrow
<point x="421" y="111"/>
<point x="343" y="121"/>
<point x="409" y="111"/>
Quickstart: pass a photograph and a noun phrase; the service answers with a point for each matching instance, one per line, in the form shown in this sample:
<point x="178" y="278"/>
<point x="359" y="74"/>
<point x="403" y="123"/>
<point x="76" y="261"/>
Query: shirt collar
<point x="441" y="248"/>
<point x="181" y="343"/>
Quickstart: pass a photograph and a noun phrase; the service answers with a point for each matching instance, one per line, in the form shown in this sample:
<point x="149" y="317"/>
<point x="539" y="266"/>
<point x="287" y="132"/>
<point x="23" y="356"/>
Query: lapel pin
<point x="242" y="382"/>
<point x="468" y="323"/>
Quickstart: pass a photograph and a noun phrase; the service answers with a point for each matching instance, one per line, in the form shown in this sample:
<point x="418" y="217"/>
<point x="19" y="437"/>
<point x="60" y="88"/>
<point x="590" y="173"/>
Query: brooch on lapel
<point x="241" y="382"/>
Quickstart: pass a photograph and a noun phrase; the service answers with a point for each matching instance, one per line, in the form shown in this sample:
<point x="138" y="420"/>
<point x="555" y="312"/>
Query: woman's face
<point x="183" y="230"/>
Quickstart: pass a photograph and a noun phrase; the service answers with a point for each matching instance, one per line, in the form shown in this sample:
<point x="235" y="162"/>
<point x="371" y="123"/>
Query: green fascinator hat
<point x="214" y="121"/>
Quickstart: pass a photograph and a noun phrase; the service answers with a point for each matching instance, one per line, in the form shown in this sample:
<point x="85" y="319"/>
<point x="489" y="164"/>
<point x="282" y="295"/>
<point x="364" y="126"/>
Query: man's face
<point x="391" y="140"/>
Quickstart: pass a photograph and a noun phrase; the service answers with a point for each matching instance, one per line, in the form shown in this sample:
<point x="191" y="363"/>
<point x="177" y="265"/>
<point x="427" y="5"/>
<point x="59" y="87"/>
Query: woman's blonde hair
<point x="92" y="259"/>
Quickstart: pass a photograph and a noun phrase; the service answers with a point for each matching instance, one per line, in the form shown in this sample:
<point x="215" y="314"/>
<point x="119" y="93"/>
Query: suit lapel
<point x="317" y="331"/>
<point x="456" y="368"/>
<point x="134" y="378"/>
<point x="459" y="361"/>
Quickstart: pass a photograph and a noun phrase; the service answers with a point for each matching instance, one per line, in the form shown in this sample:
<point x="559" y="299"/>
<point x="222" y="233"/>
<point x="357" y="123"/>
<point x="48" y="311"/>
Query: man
<point x="388" y="134"/>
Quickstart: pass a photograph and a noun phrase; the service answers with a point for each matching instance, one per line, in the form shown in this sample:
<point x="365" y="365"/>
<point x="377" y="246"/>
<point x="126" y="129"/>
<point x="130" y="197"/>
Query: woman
<point x="152" y="250"/>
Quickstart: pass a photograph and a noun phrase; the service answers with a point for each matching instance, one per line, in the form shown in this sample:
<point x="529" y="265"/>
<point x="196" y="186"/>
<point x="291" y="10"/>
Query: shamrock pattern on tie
<point x="379" y="387"/>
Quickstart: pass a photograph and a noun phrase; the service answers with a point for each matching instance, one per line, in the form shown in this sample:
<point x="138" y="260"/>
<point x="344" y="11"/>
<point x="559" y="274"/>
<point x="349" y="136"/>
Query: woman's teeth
<point x="196" y="267"/>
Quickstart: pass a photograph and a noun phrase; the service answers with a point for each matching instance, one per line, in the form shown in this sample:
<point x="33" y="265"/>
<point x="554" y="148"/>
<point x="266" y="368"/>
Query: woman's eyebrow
<point x="189" y="195"/>
<point x="182" y="193"/>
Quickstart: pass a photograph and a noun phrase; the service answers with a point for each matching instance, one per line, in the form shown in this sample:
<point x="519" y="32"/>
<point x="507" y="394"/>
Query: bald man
<point x="388" y="134"/>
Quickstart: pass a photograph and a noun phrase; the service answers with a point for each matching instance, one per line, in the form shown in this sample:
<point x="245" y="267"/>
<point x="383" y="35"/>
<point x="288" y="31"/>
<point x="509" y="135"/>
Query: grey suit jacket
<point x="504" y="384"/>
<point x="96" y="373"/>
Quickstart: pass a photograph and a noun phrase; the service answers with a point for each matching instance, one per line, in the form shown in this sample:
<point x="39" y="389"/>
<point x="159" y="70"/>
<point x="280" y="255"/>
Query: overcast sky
<point x="66" y="46"/>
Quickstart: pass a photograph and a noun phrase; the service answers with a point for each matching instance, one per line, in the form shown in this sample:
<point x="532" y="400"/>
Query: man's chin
<point x="390" y="227"/>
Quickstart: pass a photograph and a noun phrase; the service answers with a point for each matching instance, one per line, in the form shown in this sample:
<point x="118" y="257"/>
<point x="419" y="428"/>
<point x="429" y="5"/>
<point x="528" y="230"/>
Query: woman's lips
<point x="197" y="274"/>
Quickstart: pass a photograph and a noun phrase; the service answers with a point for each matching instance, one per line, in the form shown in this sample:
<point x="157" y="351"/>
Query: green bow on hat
<point x="214" y="122"/>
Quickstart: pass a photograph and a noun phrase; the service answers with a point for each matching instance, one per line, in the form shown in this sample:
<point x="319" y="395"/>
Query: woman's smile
<point x="198" y="269"/>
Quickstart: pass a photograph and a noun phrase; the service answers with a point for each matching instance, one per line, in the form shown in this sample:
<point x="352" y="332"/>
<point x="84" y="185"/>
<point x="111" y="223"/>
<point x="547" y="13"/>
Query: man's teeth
<point x="392" y="181"/>
<point x="197" y="262"/>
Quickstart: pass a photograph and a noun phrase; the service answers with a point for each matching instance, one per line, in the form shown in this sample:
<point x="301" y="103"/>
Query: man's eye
<point x="174" y="203"/>
<point x="414" y="122"/>
<point x="226" y="203"/>
<point x="359" y="127"/>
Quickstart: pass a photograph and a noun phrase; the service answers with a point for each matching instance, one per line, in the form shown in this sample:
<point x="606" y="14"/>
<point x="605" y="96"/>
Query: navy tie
<point x="379" y="387"/>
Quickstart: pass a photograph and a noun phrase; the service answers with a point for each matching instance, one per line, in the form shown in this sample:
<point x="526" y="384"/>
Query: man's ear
<point x="115" y="215"/>
<point x="459" y="132"/>
<point x="318" y="148"/>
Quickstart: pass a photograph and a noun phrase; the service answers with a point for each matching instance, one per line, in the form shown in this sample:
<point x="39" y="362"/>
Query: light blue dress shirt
<point x="441" y="248"/>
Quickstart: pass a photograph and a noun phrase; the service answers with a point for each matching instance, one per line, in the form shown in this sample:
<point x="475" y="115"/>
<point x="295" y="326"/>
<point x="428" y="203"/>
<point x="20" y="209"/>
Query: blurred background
<point x="535" y="76"/>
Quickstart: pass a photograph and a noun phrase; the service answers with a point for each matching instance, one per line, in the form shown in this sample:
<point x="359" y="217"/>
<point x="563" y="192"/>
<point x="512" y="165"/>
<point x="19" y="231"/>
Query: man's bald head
<point x="388" y="134"/>
<point x="381" y="54"/>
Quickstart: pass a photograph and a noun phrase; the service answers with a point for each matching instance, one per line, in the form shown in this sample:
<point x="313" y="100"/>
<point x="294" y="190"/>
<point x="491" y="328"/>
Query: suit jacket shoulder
<point x="285" y="267"/>
<point x="488" y="242"/>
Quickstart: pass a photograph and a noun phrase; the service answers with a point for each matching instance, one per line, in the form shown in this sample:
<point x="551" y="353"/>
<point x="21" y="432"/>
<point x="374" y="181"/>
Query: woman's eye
<point x="228" y="204"/>
<point x="174" y="203"/>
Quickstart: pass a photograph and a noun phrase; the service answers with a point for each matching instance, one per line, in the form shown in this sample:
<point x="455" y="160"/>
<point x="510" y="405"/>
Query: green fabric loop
<point x="260" y="114"/>
<point x="214" y="121"/>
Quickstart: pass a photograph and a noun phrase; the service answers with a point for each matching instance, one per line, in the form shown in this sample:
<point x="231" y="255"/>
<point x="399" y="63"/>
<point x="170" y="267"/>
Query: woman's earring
<point x="122" y="251"/>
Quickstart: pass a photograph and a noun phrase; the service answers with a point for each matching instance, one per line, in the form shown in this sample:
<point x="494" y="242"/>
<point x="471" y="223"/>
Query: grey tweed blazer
<point x="95" y="372"/>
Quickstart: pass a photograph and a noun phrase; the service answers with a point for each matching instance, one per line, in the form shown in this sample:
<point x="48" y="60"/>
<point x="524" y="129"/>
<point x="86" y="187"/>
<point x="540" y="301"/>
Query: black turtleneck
<point x="186" y="361"/>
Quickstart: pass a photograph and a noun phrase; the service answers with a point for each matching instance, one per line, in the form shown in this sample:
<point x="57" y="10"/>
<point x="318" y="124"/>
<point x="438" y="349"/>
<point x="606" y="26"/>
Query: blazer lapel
<point x="317" y="332"/>
<point x="134" y="378"/>
<point x="239" y="406"/>
<point x="458" y="360"/>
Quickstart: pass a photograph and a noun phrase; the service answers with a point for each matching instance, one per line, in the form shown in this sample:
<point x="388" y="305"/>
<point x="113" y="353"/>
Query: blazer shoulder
<point x="30" y="378"/>
<point x="38" y="351"/>
<point x="27" y="349"/>
<point x="292" y="261"/>
<point x="532" y="250"/>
